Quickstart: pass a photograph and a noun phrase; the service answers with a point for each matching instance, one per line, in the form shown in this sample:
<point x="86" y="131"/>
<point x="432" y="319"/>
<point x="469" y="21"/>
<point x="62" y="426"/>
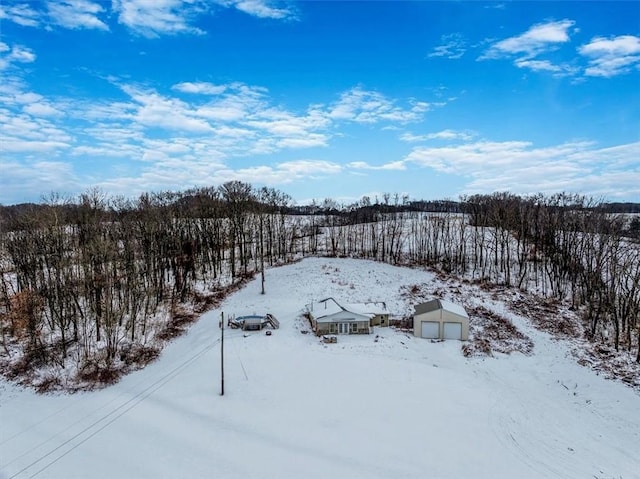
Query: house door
<point x="343" y="328"/>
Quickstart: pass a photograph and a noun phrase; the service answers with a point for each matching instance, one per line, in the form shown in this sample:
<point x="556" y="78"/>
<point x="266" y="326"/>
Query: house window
<point x="354" y="327"/>
<point x="333" y="328"/>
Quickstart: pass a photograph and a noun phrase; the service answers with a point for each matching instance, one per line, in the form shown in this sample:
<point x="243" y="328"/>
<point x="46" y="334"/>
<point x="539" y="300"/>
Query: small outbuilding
<point x="439" y="319"/>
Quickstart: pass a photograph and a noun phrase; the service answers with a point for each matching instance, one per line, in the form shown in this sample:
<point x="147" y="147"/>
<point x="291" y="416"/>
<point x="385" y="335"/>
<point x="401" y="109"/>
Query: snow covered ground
<point x="386" y="405"/>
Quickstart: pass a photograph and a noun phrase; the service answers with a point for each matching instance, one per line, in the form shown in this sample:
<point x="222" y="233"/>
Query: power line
<point x="133" y="401"/>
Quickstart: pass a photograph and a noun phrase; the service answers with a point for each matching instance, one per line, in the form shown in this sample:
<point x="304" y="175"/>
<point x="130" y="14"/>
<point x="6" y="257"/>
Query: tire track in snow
<point x="520" y="427"/>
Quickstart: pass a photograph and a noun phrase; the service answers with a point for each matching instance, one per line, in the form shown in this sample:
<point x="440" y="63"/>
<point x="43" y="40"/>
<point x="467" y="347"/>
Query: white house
<point x="330" y="317"/>
<point x="439" y="319"/>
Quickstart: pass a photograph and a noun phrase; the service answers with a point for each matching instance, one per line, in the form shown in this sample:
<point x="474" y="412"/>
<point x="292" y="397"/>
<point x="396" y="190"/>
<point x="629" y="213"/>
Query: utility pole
<point x="222" y="355"/>
<point x="261" y="254"/>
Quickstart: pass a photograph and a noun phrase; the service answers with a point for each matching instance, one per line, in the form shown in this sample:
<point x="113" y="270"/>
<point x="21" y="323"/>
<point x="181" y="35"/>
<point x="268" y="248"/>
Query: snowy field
<point x="386" y="405"/>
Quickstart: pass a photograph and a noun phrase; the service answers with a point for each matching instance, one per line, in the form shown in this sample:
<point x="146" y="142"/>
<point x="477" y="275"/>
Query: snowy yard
<point x="385" y="405"/>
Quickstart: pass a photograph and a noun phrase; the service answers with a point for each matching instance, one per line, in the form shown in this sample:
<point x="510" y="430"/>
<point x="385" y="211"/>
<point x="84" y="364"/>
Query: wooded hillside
<point x="91" y="287"/>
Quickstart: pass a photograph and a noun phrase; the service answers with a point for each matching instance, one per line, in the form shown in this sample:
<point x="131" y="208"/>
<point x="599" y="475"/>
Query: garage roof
<point x="436" y="304"/>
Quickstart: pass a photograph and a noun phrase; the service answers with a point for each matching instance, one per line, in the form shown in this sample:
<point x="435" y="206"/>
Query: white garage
<point x="439" y="319"/>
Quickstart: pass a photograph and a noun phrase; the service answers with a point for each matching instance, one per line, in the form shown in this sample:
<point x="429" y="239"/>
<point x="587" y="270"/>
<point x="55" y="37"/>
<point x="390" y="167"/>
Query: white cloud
<point x="76" y="14"/>
<point x="22" y="55"/>
<point x="22" y="14"/>
<point x="613" y="56"/>
<point x="36" y="179"/>
<point x="34" y="104"/>
<point x="13" y="145"/>
<point x="109" y="150"/>
<point x="42" y="109"/>
<point x="618" y="157"/>
<point x="25" y="98"/>
<point x="231" y="109"/>
<point x="538" y="39"/>
<point x="362" y="106"/>
<point x="151" y="18"/>
<point x="423" y="106"/>
<point x="158" y="140"/>
<point x="238" y="122"/>
<point x="104" y="110"/>
<point x="262" y="9"/>
<point x="279" y="174"/>
<point x="448" y="135"/>
<point x="239" y="101"/>
<point x="175" y="174"/>
<point x="224" y="131"/>
<point x="24" y="133"/>
<point x="293" y="131"/>
<point x="391" y="166"/>
<point x="522" y="168"/>
<point x="73" y="14"/>
<point x="309" y="140"/>
<point x="244" y="113"/>
<point x="305" y="168"/>
<point x="546" y="66"/>
<point x="156" y="111"/>
<point x="15" y="54"/>
<point x="453" y="47"/>
<point x="538" y="65"/>
<point x="201" y="88"/>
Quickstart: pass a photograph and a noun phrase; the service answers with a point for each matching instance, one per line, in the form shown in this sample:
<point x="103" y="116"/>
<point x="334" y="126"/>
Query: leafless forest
<point x="94" y="285"/>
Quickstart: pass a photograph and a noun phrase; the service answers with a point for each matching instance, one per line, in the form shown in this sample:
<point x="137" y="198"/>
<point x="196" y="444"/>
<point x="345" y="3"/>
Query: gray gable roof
<point x="429" y="306"/>
<point x="436" y="304"/>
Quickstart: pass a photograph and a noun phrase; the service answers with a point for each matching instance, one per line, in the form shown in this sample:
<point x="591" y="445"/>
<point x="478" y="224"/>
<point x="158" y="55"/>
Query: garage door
<point x="430" y="330"/>
<point x="452" y="330"/>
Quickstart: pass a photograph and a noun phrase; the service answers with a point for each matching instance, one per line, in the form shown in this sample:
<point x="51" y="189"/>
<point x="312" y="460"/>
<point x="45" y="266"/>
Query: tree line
<point x="91" y="281"/>
<point x="94" y="282"/>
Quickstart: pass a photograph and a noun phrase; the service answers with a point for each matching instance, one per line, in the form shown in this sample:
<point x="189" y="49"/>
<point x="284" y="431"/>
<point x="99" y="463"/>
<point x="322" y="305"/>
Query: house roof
<point x="325" y="307"/>
<point x="329" y="307"/>
<point x="342" y="317"/>
<point x="436" y="304"/>
<point x="369" y="309"/>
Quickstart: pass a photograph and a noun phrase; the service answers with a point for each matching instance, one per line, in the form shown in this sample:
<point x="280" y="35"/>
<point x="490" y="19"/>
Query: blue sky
<point x="320" y="99"/>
